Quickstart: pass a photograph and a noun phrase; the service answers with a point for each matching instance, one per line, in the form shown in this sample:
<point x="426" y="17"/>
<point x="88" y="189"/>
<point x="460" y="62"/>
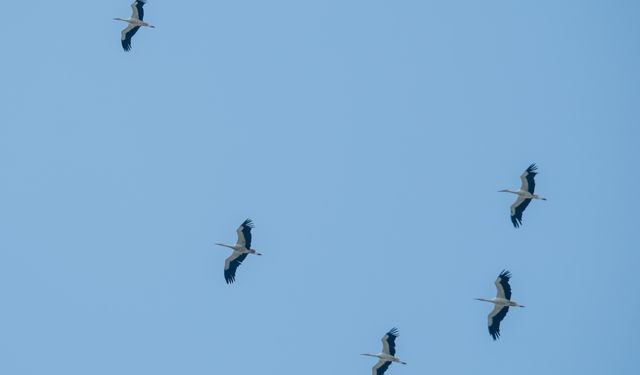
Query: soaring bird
<point x="525" y="194"/>
<point x="134" y="23"/>
<point x="388" y="353"/>
<point x="241" y="249"/>
<point x="502" y="302"/>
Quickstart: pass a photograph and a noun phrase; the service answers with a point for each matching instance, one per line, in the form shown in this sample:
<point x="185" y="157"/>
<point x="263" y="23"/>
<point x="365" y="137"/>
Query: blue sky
<point x="366" y="139"/>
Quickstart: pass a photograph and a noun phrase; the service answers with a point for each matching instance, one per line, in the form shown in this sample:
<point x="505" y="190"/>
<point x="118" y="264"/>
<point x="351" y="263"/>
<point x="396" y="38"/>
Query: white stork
<point x="502" y="303"/>
<point x="134" y="23"/>
<point x="241" y="249"/>
<point x="388" y="353"/>
<point x="525" y="194"/>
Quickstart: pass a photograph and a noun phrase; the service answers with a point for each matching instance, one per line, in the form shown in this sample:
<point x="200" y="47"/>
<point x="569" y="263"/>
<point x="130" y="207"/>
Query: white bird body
<point x="524" y="194"/>
<point x="385" y="357"/>
<point x="134" y="22"/>
<point x="501" y="302"/>
<point x="240" y="249"/>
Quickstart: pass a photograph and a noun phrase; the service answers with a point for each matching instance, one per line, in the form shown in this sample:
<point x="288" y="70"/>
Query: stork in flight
<point x="241" y="249"/>
<point x="388" y="353"/>
<point x="525" y="194"/>
<point x="502" y="303"/>
<point x="134" y="23"/>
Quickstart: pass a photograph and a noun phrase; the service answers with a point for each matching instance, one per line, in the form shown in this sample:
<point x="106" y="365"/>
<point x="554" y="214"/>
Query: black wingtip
<point x="505" y="274"/>
<point x="248" y="223"/>
<point x="516" y="222"/>
<point x="394" y="332"/>
<point x="532" y="168"/>
<point x="495" y="333"/>
<point x="229" y="277"/>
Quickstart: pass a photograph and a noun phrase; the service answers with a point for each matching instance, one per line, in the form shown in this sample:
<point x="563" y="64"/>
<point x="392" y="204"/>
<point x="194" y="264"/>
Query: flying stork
<point x="241" y="249"/>
<point x="388" y="353"/>
<point x="525" y="194"/>
<point x="502" y="303"/>
<point x="134" y="23"/>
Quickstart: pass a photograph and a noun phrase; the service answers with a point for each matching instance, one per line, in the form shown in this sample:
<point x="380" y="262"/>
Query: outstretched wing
<point x="389" y="342"/>
<point x="137" y="12"/>
<point x="380" y="367"/>
<point x="527" y="179"/>
<point x="517" y="208"/>
<point x="231" y="264"/>
<point x="126" y="35"/>
<point x="502" y="284"/>
<point x="495" y="317"/>
<point x="244" y="234"/>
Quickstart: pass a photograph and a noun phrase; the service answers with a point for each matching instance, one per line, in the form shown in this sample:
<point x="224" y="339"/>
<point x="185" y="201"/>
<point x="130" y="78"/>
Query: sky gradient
<point x="366" y="139"/>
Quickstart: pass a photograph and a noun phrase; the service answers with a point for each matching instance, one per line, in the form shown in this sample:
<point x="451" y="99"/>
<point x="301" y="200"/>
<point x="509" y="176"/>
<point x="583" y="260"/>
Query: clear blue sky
<point x="366" y="139"/>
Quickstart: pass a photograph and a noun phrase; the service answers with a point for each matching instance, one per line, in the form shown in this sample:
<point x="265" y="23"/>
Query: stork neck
<point x="371" y="355"/>
<point x="229" y="246"/>
<point x="486" y="300"/>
